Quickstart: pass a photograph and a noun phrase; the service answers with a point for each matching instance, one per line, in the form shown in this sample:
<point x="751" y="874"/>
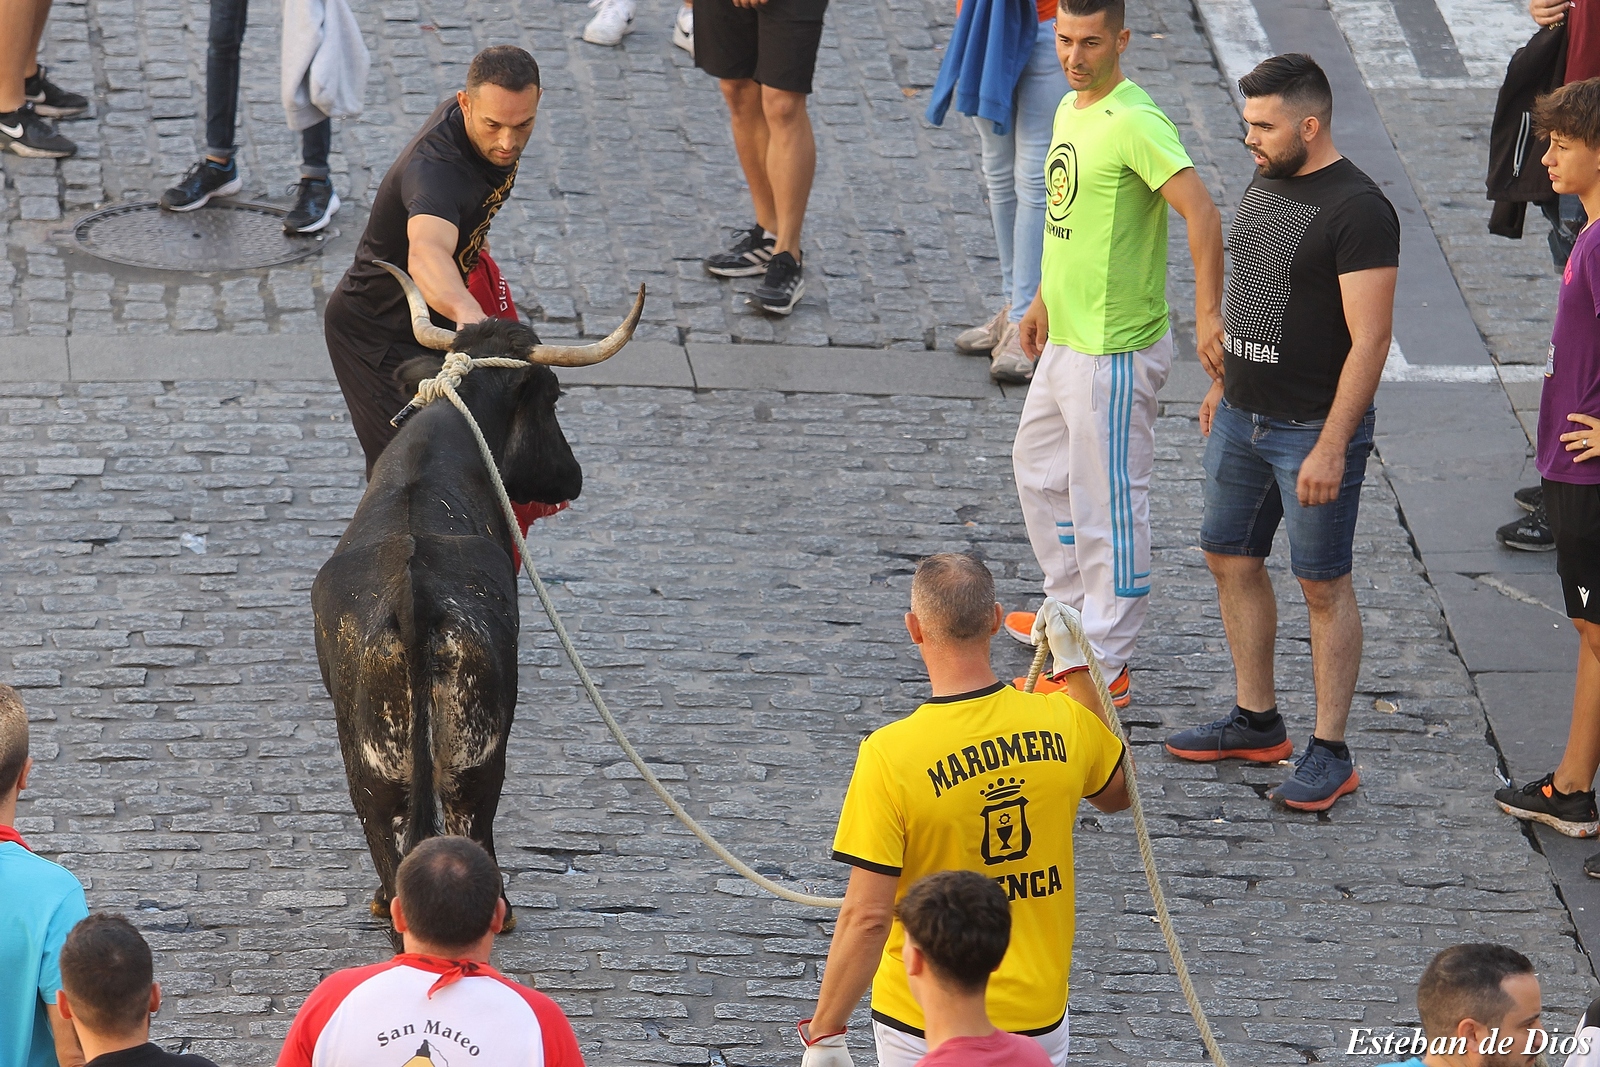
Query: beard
<point x="1286" y="165"/>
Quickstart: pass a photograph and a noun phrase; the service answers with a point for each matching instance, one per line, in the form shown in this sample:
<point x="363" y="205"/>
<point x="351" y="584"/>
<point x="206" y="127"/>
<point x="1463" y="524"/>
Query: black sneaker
<point x="1232" y="738"/>
<point x="746" y="257"/>
<point x="25" y="133"/>
<point x="1529" y="498"/>
<point x="1591" y="866"/>
<point x="1531" y="533"/>
<point x="314" y="205"/>
<point x="204" y="180"/>
<point x="785" y="284"/>
<point x="1571" y="813"/>
<point x="50" y="100"/>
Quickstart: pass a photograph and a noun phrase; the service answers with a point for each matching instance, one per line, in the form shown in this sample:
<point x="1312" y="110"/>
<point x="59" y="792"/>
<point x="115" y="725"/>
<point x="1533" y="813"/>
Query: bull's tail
<point x="422" y="816"/>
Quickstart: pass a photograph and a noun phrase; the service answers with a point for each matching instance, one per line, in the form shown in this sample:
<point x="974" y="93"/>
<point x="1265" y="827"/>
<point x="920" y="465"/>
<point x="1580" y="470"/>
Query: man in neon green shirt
<point x="1099" y="332"/>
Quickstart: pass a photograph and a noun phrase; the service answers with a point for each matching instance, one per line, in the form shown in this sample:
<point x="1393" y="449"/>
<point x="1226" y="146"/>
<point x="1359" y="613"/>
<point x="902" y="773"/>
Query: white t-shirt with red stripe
<point x="417" y="1011"/>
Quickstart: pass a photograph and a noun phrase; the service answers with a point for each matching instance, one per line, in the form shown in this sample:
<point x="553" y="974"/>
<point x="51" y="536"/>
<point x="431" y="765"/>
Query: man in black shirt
<point x="109" y="992"/>
<point x="431" y="219"/>
<point x="1315" y="248"/>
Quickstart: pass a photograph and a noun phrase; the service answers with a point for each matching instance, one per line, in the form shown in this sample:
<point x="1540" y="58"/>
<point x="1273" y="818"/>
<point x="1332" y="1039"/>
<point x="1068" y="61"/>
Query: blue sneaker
<point x="1320" y="778"/>
<point x="1231" y="738"/>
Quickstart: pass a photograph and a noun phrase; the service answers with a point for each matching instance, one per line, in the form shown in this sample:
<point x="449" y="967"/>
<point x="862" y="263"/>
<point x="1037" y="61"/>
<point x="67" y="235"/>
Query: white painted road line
<point x="1399" y="369"/>
<point x="1237" y="38"/>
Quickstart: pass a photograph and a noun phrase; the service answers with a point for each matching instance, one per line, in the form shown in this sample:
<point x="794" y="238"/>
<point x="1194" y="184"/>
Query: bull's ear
<point x="413" y="371"/>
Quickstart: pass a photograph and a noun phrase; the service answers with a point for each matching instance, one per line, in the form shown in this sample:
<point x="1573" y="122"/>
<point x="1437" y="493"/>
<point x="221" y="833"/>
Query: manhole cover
<point x="216" y="237"/>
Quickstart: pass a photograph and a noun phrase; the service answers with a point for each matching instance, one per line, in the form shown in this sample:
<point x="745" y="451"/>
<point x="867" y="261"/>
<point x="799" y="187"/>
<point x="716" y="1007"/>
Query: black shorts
<point x="1574" y="513"/>
<point x="774" y="43"/>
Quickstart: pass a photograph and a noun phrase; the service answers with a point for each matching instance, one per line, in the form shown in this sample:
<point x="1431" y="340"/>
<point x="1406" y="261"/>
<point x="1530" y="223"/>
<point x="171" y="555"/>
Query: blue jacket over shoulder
<point x="988" y="50"/>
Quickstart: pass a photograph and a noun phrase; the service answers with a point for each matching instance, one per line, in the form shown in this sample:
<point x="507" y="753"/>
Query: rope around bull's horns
<point x="458" y="364"/>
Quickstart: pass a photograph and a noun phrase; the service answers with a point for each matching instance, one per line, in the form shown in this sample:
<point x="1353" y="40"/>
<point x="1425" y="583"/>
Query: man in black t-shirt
<point x="431" y="219"/>
<point x="1315" y="248"/>
<point x="108" y="991"/>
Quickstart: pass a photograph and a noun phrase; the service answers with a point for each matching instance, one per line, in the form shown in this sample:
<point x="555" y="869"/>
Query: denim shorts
<point x="1252" y="463"/>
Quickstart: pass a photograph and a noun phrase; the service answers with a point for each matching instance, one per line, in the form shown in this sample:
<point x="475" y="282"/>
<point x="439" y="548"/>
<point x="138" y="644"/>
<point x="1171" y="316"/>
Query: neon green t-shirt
<point x="1105" y="228"/>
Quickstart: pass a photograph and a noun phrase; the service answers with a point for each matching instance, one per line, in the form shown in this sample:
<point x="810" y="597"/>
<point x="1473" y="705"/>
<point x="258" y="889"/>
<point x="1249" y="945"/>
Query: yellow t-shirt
<point x="989" y="782"/>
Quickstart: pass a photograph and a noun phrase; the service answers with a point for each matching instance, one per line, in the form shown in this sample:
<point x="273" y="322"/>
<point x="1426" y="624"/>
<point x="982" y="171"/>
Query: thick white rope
<point x="1141" y="831"/>
<point x="457" y="364"/>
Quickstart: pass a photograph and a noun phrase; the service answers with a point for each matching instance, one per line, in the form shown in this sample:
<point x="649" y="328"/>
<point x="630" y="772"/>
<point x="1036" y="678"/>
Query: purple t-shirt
<point x="999" y="1049"/>
<point x="1572" y="374"/>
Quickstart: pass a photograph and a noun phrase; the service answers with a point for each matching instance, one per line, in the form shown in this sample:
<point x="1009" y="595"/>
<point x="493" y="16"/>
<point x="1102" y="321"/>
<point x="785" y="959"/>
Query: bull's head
<point x="432" y="336"/>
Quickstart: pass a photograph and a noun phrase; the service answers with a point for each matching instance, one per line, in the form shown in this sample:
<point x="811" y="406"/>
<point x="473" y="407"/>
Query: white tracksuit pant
<point x="1083" y="456"/>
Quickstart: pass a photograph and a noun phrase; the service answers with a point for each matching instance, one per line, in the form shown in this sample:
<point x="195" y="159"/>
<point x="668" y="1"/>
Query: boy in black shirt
<point x="109" y="992"/>
<point x="1309" y="310"/>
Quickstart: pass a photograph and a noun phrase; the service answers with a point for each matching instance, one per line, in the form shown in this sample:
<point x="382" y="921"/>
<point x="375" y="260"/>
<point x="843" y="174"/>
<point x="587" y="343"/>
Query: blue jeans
<point x="1013" y="169"/>
<point x="1252" y="463"/>
<point x="225" y="35"/>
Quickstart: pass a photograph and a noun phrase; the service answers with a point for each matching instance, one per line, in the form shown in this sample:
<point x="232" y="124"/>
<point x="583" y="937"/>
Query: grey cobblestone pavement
<point x="743" y="610"/>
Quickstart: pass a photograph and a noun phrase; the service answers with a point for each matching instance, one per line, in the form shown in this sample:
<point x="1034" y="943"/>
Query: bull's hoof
<point x="510" y="923"/>
<point x="380" y="908"/>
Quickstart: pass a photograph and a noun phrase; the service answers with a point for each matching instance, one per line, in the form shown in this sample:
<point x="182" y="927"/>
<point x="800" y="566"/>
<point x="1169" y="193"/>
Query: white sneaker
<point x="683" y="29"/>
<point x="613" y="21"/>
<point x="1008" y="363"/>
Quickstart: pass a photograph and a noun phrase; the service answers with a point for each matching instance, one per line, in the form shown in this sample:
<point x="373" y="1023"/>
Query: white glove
<point x="1050" y="623"/>
<point x="826" y="1051"/>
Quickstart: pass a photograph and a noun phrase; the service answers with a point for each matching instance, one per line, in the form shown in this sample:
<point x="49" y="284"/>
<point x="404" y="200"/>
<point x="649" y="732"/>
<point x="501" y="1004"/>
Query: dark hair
<point x="952" y="595"/>
<point x="13" y="738"/>
<point x="1296" y="78"/>
<point x="504" y="65"/>
<point x="1463" y="982"/>
<point x="962" y="922"/>
<point x="1116" y="10"/>
<point x="447" y="888"/>
<point x="1571" y="111"/>
<point x="107" y="973"/>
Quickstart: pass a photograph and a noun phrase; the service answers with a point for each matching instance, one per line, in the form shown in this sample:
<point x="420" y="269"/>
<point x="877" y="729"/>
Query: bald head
<point x="952" y="596"/>
<point x="13" y="738"/>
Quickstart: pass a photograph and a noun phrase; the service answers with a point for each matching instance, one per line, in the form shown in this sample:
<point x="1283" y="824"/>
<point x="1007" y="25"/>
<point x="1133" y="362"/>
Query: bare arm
<point x="1369" y="311"/>
<point x="1114" y="797"/>
<point x="1189" y="197"/>
<point x="858" y="940"/>
<point x="432" y="263"/>
<point x="68" y="1052"/>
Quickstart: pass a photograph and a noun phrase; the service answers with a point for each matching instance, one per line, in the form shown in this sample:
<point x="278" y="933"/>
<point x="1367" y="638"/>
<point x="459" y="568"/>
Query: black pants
<point x="228" y="18"/>
<point x="367" y="377"/>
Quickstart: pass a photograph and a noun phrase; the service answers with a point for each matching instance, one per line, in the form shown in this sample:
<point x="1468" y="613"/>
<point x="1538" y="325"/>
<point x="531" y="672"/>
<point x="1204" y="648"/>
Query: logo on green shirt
<point x="1061" y="187"/>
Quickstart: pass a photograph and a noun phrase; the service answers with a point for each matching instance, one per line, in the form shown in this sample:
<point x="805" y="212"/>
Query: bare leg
<point x="1250" y="619"/>
<point x="791" y="163"/>
<point x="21" y="26"/>
<point x="1582" y="757"/>
<point x="1335" y="651"/>
<point x="41" y="15"/>
<point x="752" y="141"/>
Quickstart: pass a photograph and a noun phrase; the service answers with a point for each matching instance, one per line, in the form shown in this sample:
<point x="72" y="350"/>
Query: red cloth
<point x="9" y="833"/>
<point x="489" y="288"/>
<point x="999" y="1049"/>
<point x="1583" y="42"/>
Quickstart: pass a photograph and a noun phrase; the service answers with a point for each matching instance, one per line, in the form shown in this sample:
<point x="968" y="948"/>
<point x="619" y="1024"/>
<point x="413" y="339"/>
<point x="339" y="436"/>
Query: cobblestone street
<point x="735" y="572"/>
<point x="744" y="611"/>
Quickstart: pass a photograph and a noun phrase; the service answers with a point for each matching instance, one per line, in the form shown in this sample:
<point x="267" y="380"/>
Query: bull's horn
<point x="584" y="355"/>
<point x="427" y="333"/>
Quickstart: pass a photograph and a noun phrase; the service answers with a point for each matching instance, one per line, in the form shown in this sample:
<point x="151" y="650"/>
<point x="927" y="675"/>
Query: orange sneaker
<point x="1120" y="696"/>
<point x="1019" y="624"/>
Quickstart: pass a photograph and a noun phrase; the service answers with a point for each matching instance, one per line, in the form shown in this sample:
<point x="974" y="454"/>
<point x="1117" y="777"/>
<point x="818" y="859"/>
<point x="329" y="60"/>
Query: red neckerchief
<point x="449" y="971"/>
<point x="9" y="833"/>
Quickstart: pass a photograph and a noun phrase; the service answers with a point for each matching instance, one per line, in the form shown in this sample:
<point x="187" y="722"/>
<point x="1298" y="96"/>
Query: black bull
<point x="416" y="611"/>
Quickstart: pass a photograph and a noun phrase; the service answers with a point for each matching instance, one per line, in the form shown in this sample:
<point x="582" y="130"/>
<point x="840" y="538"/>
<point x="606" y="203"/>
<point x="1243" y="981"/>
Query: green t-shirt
<point x="1105" y="227"/>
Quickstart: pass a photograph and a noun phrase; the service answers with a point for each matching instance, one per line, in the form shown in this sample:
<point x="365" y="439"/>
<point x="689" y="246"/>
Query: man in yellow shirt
<point x="980" y="778"/>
